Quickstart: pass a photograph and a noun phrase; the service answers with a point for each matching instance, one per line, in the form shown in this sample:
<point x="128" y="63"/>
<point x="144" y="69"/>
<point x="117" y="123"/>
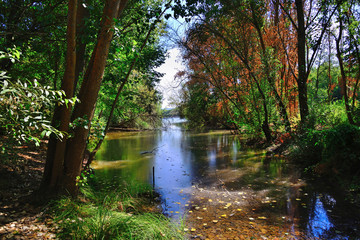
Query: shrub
<point x="336" y="149"/>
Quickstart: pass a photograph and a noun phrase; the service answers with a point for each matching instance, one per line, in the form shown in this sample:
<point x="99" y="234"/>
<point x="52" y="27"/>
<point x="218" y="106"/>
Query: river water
<point x="225" y="190"/>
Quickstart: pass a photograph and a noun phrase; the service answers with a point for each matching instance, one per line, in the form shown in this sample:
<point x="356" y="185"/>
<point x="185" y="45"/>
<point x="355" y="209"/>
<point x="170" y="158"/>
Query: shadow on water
<point x="196" y="167"/>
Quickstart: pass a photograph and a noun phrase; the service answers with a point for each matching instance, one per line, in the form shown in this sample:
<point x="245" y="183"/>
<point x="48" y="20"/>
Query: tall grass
<point x="99" y="213"/>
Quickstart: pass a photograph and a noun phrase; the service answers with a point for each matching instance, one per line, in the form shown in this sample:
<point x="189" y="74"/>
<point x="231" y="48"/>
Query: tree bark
<point x="82" y="13"/>
<point x="343" y="81"/>
<point x="88" y="95"/>
<point x="302" y="73"/>
<point x="64" y="158"/>
<point x="56" y="149"/>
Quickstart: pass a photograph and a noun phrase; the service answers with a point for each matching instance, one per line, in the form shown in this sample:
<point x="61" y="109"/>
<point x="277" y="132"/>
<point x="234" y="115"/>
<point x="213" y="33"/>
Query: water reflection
<point x="186" y="161"/>
<point x="319" y="221"/>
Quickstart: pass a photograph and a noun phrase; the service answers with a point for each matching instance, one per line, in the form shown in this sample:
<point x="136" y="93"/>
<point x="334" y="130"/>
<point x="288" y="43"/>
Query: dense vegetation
<point x="37" y="43"/>
<point x="278" y="70"/>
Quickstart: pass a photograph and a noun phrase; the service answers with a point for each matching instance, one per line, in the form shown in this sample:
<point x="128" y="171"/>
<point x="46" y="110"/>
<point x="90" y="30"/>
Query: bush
<point x="335" y="150"/>
<point x="327" y="114"/>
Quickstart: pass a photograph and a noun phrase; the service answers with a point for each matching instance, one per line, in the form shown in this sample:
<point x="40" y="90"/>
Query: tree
<point x="64" y="158"/>
<point x="306" y="24"/>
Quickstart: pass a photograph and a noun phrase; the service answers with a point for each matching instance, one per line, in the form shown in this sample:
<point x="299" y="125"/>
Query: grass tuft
<point x="104" y="214"/>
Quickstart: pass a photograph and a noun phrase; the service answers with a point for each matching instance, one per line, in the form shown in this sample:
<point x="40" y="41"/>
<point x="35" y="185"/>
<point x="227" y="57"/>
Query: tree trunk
<point x="82" y="13"/>
<point x="64" y="158"/>
<point x="343" y="81"/>
<point x="269" y="77"/>
<point x="302" y="73"/>
<point x="88" y="95"/>
<point x="132" y="65"/>
<point x="55" y="155"/>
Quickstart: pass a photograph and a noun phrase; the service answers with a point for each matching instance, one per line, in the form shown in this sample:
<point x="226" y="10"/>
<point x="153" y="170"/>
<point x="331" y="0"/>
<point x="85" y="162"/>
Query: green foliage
<point x="335" y="150"/>
<point x="171" y="112"/>
<point x="85" y="176"/>
<point x="199" y="107"/>
<point x="96" y="132"/>
<point x="26" y="109"/>
<point x="327" y="114"/>
<point x="137" y="106"/>
<point x="111" y="214"/>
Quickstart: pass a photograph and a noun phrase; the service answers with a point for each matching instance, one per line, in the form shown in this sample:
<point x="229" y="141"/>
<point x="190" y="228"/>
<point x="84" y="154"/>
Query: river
<point x="225" y="190"/>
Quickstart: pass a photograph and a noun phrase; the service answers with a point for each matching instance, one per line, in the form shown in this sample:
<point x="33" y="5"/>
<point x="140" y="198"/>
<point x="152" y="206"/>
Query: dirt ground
<point x="20" y="176"/>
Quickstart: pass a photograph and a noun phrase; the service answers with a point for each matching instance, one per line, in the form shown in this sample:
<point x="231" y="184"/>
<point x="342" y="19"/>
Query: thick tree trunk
<point x="302" y="73"/>
<point x="55" y="155"/>
<point x="88" y="95"/>
<point x="64" y="158"/>
<point x="82" y="13"/>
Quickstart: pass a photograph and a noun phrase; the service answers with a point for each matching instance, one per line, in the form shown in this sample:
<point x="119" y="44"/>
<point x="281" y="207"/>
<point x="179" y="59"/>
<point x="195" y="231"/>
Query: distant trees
<point x="257" y="56"/>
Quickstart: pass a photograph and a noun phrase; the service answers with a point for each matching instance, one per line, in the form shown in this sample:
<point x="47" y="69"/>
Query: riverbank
<point x="331" y="154"/>
<point x="101" y="210"/>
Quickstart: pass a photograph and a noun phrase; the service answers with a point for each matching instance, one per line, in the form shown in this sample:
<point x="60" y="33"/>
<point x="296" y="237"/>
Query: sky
<point x="168" y="86"/>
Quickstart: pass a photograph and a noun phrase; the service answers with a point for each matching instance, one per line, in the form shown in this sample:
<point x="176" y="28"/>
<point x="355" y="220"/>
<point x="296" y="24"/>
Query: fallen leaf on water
<point x="261" y="217"/>
<point x="298" y="199"/>
<point x="224" y="215"/>
<point x="239" y="209"/>
<point x="193" y="230"/>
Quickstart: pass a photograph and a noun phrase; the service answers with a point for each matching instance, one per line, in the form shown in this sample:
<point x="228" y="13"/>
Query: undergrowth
<point x="101" y="213"/>
<point x="333" y="153"/>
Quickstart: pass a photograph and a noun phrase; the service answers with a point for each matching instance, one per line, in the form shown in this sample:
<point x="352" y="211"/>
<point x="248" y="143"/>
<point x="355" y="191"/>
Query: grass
<point x="99" y="213"/>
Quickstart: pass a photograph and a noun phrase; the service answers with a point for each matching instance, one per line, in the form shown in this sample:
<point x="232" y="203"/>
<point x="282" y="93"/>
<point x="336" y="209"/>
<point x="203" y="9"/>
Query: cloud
<point x="168" y="86"/>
